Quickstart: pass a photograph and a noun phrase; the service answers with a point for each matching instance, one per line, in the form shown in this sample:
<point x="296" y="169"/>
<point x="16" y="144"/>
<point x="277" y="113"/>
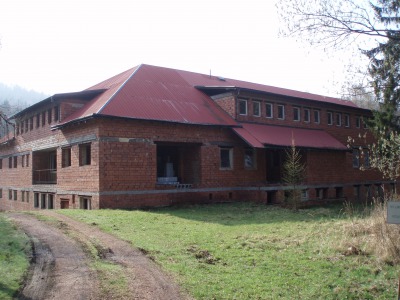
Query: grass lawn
<point x="14" y="262"/>
<point x="249" y="251"/>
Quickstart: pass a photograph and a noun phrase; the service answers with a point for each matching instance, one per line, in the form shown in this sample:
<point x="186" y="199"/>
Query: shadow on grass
<point x="242" y="213"/>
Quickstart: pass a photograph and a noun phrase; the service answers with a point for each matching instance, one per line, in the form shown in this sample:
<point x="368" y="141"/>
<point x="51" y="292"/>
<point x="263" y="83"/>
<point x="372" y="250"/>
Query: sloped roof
<point x="260" y="136"/>
<point x="152" y="93"/>
<point x="163" y="94"/>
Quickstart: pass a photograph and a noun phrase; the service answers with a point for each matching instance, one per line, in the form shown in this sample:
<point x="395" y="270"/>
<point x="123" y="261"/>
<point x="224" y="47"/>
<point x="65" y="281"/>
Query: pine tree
<point x="293" y="174"/>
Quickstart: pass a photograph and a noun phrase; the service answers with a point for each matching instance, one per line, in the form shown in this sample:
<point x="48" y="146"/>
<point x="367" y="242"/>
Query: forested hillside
<point x="14" y="99"/>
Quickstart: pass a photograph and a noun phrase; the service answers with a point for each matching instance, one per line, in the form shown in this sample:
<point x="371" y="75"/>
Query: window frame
<point x="296" y="114"/>
<point x="329" y="118"/>
<point x="317" y="116"/>
<point x="280" y="111"/>
<point x="338" y="119"/>
<point x="66" y="157"/>
<point x="85" y="154"/>
<point x="356" y="158"/>
<point x="347" y="120"/>
<point x="253" y="159"/>
<point x="307" y="115"/>
<point x="358" y="122"/>
<point x="222" y="159"/>
<point x="269" y="110"/>
<point x="240" y="101"/>
<point x="256" y="104"/>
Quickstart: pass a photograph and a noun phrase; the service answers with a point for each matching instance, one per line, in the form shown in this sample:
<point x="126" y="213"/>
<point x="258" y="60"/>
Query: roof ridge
<point x="118" y="90"/>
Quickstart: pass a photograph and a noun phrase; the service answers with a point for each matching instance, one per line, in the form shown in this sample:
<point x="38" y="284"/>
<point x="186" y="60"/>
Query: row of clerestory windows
<point x="299" y="113"/>
<point x="38" y="120"/>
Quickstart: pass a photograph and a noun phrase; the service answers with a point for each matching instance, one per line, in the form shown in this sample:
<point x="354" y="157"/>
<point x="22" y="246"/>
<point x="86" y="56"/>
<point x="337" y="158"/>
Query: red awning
<point x="260" y="136"/>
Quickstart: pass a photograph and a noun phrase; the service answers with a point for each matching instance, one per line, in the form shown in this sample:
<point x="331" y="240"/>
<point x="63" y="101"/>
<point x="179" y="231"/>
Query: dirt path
<point x="60" y="267"/>
<point x="145" y="279"/>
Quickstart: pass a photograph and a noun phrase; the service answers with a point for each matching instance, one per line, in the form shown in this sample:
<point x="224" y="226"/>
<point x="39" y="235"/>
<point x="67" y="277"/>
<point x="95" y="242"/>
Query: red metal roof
<point x="259" y="136"/>
<point x="156" y="93"/>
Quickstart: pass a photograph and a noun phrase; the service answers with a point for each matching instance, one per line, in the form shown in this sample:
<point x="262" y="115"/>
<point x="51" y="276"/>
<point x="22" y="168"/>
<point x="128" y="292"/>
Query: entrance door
<point x="274" y="162"/>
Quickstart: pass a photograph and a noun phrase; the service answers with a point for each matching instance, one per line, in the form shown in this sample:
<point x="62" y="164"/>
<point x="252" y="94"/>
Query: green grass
<point x="14" y="262"/>
<point x="249" y="251"/>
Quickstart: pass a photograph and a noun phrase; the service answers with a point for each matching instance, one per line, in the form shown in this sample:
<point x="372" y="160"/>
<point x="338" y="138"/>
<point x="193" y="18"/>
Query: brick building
<point x="154" y="136"/>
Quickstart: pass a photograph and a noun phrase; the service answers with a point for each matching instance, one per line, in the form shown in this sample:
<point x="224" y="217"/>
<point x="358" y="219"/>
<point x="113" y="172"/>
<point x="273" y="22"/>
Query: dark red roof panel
<point x="258" y="136"/>
<point x="162" y="94"/>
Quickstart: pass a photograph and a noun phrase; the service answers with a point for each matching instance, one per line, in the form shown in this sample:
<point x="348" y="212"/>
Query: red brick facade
<point x="110" y="162"/>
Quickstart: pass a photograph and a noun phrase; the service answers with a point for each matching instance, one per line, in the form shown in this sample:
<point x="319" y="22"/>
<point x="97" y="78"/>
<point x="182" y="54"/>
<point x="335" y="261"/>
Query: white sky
<point x="56" y="46"/>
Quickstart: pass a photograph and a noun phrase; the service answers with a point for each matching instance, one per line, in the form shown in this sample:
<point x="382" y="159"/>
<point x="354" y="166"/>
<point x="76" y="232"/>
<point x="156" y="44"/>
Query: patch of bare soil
<point x="145" y="279"/>
<point x="60" y="268"/>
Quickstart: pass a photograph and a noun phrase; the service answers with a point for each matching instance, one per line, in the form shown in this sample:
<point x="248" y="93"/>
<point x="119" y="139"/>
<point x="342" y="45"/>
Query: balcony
<point x="44" y="164"/>
<point x="46" y="176"/>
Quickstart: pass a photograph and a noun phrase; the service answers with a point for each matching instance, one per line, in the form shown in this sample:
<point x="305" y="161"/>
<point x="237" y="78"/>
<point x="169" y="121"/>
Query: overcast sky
<point x="69" y="45"/>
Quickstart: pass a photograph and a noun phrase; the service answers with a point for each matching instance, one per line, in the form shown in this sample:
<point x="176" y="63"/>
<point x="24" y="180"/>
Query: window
<point x="1" y="163"/>
<point x="15" y="195"/>
<point x="296" y="114"/>
<point x="31" y="123"/>
<point x="10" y="162"/>
<point x="358" y="121"/>
<point x="36" y="200"/>
<point x="66" y="157"/>
<point x="43" y="118"/>
<point x="15" y="161"/>
<point x="281" y="112"/>
<point x="226" y="156"/>
<point x="356" y="158"/>
<point x="242" y="107"/>
<point x="365" y="123"/>
<point x="304" y="195"/>
<point x="256" y="108"/>
<point x="49" y="116"/>
<point x="26" y="125"/>
<point x="85" y="154"/>
<point x="56" y="113"/>
<point x="316" y="117"/>
<point x="339" y="192"/>
<point x="346" y="120"/>
<point x="306" y="115"/>
<point x="330" y="118"/>
<point x="22" y="196"/>
<point x="338" y="119"/>
<point x="43" y="200"/>
<point x="269" y="110"/>
<point x="1" y="193"/>
<point x="9" y="194"/>
<point x="249" y="158"/>
<point x="366" y="158"/>
<point x="23" y="161"/>
<point x="27" y="160"/>
<point x="50" y="201"/>
<point x="21" y="127"/>
<point x="27" y="196"/>
<point x="37" y="120"/>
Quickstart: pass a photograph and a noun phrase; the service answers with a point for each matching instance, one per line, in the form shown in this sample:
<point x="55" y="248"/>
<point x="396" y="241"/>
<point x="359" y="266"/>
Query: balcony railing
<point x="47" y="176"/>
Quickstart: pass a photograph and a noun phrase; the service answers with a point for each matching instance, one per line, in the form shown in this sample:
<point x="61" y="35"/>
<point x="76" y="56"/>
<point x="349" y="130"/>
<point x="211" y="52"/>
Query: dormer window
<point x="296" y="114"/>
<point x="281" y="112"/>
<point x="269" y="110"/>
<point x="256" y="108"/>
<point x="243" y="107"/>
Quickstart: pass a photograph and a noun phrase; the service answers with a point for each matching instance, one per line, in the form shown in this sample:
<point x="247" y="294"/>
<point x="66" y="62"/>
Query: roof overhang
<point x="263" y="136"/>
<point x="83" y="95"/>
